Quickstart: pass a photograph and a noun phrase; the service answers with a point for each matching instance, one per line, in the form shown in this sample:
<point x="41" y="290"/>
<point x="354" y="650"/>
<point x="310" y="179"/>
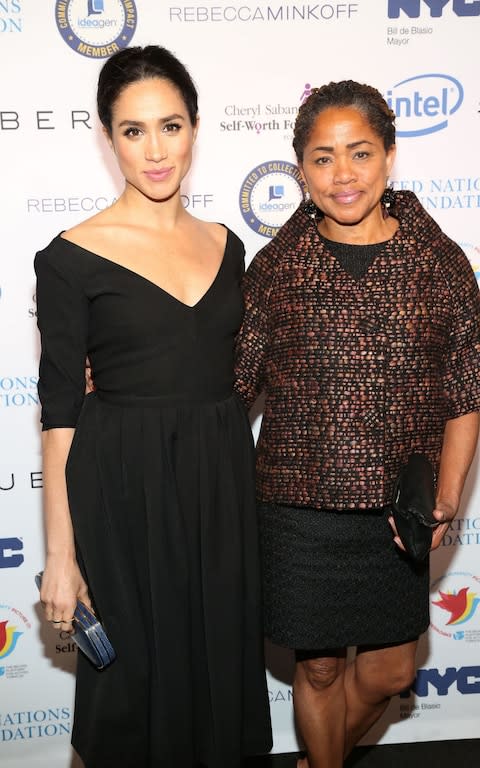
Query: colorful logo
<point x="460" y="605"/>
<point x="13" y="624"/>
<point x="269" y="195"/>
<point x="423" y="103"/>
<point x="454" y="603"/>
<point x="96" y="28"/>
<point x="8" y="638"/>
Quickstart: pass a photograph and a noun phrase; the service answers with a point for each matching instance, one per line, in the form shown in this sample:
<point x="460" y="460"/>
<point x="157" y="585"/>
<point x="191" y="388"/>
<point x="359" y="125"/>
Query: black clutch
<point x="89" y="634"/>
<point x="413" y="504"/>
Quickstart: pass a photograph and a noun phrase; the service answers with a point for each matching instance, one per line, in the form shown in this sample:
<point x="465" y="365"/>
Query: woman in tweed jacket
<point x="362" y="327"/>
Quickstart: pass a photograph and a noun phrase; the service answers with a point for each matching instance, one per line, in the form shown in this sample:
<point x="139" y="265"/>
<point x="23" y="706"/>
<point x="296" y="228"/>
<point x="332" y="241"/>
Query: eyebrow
<point x="140" y="124"/>
<point x="353" y="145"/>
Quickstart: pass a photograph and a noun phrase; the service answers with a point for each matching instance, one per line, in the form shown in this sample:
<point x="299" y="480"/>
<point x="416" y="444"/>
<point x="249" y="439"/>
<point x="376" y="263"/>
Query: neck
<point x="161" y="214"/>
<point x="374" y="229"/>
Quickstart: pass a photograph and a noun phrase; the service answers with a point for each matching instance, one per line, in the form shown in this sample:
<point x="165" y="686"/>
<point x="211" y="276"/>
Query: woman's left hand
<point x="443" y="512"/>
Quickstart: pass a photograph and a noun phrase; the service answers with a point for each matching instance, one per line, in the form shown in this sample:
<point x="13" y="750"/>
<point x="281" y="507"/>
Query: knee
<point x="384" y="683"/>
<point x="321" y="673"/>
<point x="400" y="679"/>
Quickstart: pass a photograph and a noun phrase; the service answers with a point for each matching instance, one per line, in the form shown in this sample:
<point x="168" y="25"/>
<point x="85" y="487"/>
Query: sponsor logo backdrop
<point x="254" y="62"/>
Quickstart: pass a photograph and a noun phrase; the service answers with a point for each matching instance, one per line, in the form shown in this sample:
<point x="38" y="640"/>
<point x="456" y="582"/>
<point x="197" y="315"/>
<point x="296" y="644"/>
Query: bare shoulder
<point x="219" y="234"/>
<point x="210" y="230"/>
<point x="93" y="233"/>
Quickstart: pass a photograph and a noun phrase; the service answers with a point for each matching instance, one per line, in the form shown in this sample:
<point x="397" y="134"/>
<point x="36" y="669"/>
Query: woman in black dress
<point x="149" y="480"/>
<point x="362" y="325"/>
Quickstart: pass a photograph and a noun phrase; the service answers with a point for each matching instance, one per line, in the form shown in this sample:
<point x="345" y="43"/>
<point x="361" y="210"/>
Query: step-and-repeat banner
<point x="254" y="62"/>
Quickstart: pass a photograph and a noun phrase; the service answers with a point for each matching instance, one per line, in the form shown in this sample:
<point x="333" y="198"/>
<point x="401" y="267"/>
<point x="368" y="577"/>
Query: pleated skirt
<point x="337" y="580"/>
<point x="162" y="502"/>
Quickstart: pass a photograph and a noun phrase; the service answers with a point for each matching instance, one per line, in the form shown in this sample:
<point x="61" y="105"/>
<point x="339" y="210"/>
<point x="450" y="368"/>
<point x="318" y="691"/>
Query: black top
<point x="90" y="305"/>
<point x="354" y="259"/>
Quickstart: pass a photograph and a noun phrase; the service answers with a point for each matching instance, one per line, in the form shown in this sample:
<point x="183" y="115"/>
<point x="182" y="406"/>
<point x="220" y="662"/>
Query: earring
<point x="309" y="206"/>
<point x="388" y="197"/>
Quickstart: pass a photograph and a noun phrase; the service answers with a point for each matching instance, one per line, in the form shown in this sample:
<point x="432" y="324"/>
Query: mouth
<point x="159" y="174"/>
<point x="347" y="197"/>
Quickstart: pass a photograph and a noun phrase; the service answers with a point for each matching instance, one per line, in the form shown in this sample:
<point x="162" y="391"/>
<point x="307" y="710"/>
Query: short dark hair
<point x="133" y="64"/>
<point x="346" y="93"/>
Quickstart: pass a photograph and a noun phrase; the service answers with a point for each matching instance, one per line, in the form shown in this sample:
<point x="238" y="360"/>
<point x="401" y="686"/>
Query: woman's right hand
<point x="62" y="586"/>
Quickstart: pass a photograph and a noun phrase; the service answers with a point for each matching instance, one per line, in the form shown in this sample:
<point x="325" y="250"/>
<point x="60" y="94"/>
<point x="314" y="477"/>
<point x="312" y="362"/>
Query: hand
<point x="396" y="537"/>
<point x="444" y="513"/>
<point x="89" y="385"/>
<point x="62" y="586"/>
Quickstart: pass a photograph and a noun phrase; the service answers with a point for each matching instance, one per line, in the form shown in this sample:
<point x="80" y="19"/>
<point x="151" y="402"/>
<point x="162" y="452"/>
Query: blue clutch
<point x="88" y="634"/>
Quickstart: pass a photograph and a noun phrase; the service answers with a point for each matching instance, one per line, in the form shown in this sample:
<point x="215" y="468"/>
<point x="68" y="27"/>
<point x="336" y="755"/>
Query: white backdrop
<point x="254" y="61"/>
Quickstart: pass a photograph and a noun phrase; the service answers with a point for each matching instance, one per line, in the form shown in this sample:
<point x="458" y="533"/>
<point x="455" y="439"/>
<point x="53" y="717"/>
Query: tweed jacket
<point x="357" y="373"/>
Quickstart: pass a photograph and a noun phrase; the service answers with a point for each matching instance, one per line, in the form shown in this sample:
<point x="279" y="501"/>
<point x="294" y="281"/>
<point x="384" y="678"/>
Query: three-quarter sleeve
<point x="253" y="336"/>
<point x="62" y="318"/>
<point x="462" y="363"/>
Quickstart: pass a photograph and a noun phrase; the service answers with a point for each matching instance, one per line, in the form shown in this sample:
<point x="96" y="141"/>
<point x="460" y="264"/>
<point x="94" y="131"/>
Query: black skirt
<point x="335" y="579"/>
<point x="163" y="504"/>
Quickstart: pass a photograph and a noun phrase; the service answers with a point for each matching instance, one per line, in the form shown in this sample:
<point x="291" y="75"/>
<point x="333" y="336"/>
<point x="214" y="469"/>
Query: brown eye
<point x="132" y="132"/>
<point x="172" y="127"/>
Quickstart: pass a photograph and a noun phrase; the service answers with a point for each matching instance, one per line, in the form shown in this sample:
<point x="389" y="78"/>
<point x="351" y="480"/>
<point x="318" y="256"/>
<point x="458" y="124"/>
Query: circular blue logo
<point x="269" y="195"/>
<point x="96" y="28"/>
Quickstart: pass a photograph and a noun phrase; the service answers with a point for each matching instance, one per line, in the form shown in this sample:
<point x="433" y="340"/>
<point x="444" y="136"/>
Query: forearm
<point x="62" y="583"/>
<point x="458" y="449"/>
<point x="58" y="524"/>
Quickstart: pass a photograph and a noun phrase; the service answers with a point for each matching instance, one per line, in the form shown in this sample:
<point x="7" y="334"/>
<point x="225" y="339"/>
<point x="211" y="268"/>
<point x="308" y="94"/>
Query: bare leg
<point x="370" y="681"/>
<point x="319" y="697"/>
<point x="331" y="719"/>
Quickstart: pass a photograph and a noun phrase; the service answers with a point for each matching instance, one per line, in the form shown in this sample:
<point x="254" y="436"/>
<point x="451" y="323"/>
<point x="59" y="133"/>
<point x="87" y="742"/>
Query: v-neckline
<point x="146" y="280"/>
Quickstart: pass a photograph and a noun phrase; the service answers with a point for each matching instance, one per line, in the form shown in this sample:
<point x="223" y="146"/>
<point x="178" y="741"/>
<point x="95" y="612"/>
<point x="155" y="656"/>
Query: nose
<point x="344" y="172"/>
<point x="156" y="147"/>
